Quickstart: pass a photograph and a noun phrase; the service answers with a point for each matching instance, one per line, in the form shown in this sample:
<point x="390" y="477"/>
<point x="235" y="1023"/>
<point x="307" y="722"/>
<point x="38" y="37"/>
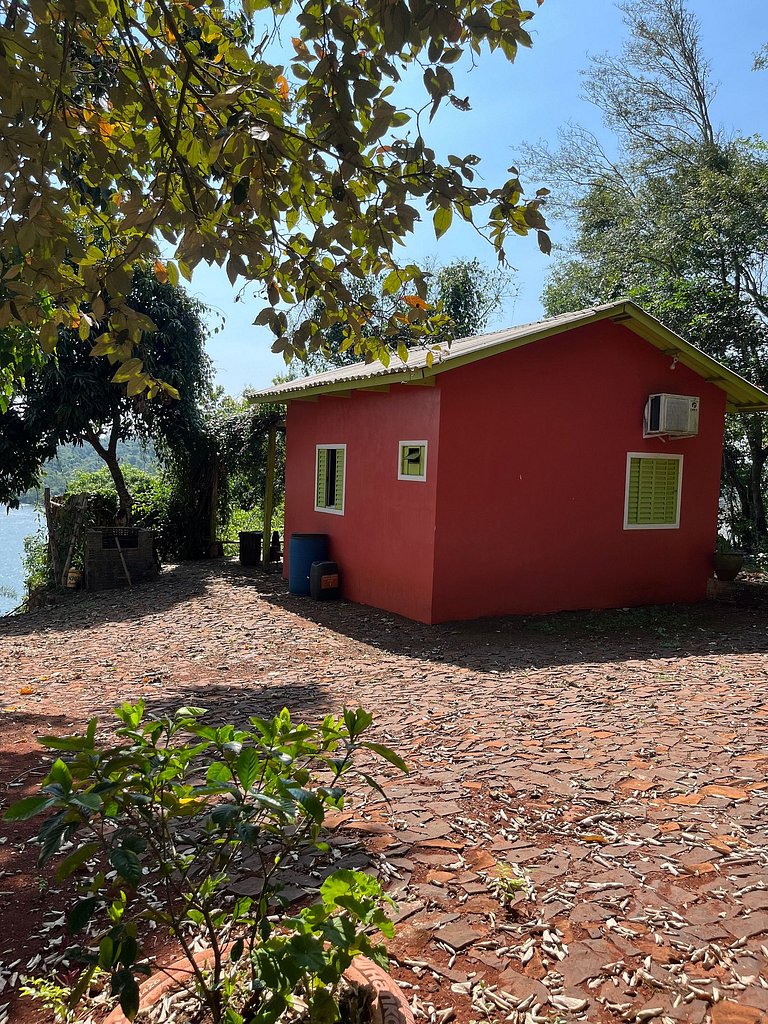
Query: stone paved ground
<point x="616" y="762"/>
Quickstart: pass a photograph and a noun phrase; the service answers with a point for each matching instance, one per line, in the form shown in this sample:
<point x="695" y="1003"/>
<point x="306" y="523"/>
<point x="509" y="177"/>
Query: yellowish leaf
<point x="127" y="371"/>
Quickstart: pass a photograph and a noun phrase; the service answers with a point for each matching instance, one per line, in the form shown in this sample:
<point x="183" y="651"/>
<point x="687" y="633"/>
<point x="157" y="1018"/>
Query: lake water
<point x="14" y="527"/>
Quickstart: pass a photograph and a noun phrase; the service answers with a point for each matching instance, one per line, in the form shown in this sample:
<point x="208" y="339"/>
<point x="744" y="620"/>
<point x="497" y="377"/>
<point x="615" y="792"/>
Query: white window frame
<point x="652" y="526"/>
<point x="323" y="508"/>
<point x="421" y="478"/>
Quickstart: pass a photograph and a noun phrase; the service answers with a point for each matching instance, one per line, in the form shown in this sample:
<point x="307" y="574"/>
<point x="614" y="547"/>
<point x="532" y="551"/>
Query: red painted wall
<point x="530" y="500"/>
<point x="384" y="542"/>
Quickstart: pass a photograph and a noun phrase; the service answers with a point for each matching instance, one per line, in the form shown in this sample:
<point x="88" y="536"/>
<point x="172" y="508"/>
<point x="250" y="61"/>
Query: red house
<point x="571" y="463"/>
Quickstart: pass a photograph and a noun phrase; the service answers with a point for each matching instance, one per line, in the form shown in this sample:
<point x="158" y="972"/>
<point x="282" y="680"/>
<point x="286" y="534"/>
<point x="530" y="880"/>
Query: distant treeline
<point x="73" y="459"/>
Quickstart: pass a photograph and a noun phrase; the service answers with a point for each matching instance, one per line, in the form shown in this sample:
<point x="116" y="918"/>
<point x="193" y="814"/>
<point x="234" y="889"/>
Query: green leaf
<point x="60" y="775"/>
<point x="218" y="772"/>
<point x="224" y="814"/>
<point x="388" y="755"/>
<point x="190" y="712"/>
<point x="81" y="913"/>
<point x="248" y="767"/>
<point x="311" y="804"/>
<point x="270" y="802"/>
<point x="357" y="721"/>
<point x="442" y="220"/>
<point x="392" y="282"/>
<point x="64" y="742"/>
<point x="374" y="785"/>
<point x="129" y="996"/>
<point x="28" y="807"/>
<point x="240" y="191"/>
<point x="75" y="859"/>
<point x="88" y="801"/>
<point x="106" y="953"/>
<point x="51" y="834"/>
<point x="90" y="734"/>
<point x="126" y="864"/>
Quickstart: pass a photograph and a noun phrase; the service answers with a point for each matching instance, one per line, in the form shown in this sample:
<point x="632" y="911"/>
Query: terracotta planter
<point x="389" y="1005"/>
<point x="728" y="565"/>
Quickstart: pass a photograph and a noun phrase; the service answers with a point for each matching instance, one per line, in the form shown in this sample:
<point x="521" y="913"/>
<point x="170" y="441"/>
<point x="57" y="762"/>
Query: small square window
<point x="330" y="478"/>
<point x="654" y="484"/>
<point x="412" y="460"/>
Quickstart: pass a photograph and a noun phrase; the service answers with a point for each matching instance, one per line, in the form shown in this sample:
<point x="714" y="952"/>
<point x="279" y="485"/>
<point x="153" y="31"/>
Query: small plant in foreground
<point x="156" y="825"/>
<point x="54" y="997"/>
<point x="505" y="884"/>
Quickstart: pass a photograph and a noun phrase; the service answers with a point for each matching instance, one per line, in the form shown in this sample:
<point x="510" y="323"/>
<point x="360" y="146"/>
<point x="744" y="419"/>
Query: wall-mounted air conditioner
<point x="671" y="415"/>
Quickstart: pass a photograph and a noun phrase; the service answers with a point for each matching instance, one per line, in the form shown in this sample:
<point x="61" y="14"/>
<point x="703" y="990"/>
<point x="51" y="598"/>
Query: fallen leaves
<point x="729" y="792"/>
<point x="688" y="799"/>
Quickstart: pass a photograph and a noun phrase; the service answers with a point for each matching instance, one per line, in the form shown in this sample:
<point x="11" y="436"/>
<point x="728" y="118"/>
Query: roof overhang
<point x="742" y="396"/>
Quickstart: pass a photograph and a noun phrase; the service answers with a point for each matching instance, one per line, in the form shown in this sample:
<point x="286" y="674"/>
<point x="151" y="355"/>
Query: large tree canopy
<point x="675" y="215"/>
<point x="71" y="397"/>
<point x="198" y="125"/>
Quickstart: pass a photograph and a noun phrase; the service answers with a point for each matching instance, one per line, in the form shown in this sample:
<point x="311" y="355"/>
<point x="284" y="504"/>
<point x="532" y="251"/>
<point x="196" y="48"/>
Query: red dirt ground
<point x="615" y="759"/>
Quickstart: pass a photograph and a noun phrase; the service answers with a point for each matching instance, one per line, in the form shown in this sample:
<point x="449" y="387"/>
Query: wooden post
<point x="53" y="542"/>
<point x="122" y="559"/>
<point x="269" y="497"/>
<point x="79" y="514"/>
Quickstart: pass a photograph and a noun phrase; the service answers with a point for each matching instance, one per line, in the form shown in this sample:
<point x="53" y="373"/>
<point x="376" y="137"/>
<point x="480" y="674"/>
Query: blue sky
<point x="511" y="104"/>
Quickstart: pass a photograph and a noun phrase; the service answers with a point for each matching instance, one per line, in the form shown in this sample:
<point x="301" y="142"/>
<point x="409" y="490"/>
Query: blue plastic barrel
<point x="303" y="550"/>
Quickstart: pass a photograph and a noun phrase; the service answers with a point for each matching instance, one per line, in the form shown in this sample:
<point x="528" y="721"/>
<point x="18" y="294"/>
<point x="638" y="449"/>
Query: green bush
<point x="158" y="822"/>
<point x="242" y="520"/>
<point x="37" y="570"/>
<point x="151" y="495"/>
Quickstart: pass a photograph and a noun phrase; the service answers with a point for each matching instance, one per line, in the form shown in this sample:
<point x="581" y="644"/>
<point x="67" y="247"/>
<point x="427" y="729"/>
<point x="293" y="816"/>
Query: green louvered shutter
<point x="338" y="493"/>
<point x="322" y="464"/>
<point x="412" y="460"/>
<point x="654" y="487"/>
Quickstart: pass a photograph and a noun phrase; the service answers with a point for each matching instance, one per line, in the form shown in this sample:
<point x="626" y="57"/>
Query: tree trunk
<point x="109" y="455"/>
<point x="744" y="475"/>
<point x="124" y="497"/>
<point x="754" y="431"/>
<point x="739" y="488"/>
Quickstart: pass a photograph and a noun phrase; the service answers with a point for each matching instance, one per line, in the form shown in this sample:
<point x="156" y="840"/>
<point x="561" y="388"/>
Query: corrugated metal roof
<point x="742" y="395"/>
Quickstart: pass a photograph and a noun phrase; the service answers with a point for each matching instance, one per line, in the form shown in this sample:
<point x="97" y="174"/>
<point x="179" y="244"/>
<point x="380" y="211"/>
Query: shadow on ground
<point x="81" y="610"/>
<point x="501" y="644"/>
<point x="565" y="638"/>
<point x="234" y="703"/>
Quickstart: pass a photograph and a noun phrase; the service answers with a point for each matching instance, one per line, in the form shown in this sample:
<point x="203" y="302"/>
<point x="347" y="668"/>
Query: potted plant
<point x="728" y="562"/>
<point x="157" y="824"/>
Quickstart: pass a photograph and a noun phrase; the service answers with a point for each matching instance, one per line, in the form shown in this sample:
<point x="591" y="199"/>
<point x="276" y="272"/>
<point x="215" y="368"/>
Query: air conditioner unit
<point x="672" y="415"/>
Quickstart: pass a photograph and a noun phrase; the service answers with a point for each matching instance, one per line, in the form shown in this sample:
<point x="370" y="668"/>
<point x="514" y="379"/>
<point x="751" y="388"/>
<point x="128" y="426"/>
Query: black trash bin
<point x="250" y="547"/>
<point x="324" y="581"/>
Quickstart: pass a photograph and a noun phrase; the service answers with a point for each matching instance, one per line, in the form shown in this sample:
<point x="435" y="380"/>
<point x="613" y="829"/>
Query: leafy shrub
<point x="150" y="496"/>
<point x="36" y="566"/>
<point x="162" y="819"/>
<point x="240" y="519"/>
<point x="757" y="562"/>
